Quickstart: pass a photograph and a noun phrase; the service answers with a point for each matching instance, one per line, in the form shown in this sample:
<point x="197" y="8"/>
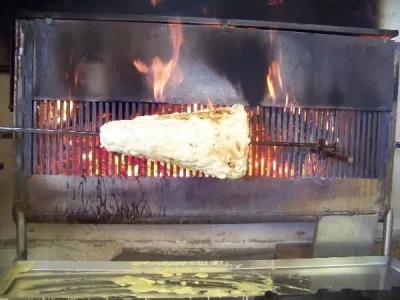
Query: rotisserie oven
<point x="230" y="122"/>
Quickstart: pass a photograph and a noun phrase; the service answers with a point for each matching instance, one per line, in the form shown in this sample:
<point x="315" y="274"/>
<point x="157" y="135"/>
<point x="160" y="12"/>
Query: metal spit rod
<point x="45" y="131"/>
<point x="321" y="148"/>
<point x="91" y="133"/>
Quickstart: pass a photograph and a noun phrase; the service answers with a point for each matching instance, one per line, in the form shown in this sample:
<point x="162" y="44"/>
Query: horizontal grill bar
<point x="356" y="131"/>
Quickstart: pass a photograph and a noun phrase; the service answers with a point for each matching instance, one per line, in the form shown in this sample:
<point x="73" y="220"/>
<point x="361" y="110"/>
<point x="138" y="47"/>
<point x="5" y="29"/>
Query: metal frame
<point x="22" y="92"/>
<point x="24" y="71"/>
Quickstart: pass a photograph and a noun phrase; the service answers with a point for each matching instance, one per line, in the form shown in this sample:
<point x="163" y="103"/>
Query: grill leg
<point x="22" y="252"/>
<point x="387" y="233"/>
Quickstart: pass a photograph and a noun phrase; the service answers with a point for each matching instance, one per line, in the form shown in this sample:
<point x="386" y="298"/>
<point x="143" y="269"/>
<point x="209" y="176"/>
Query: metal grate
<point x="358" y="132"/>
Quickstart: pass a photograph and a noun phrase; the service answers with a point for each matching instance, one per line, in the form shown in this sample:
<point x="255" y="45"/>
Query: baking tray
<point x="197" y="279"/>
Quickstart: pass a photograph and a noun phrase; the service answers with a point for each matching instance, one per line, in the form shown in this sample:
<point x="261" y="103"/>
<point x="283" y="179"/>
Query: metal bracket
<point x="340" y="236"/>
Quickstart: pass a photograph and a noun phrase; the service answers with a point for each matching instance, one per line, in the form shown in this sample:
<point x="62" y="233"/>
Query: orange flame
<point x="65" y="113"/>
<point x="140" y="66"/>
<point x="210" y="105"/>
<point x="155" y="3"/>
<point x="159" y="73"/>
<point x="286" y="102"/>
<point x="274" y="79"/>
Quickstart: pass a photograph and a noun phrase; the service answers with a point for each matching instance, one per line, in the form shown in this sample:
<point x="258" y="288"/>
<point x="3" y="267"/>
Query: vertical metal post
<point x="387" y="233"/>
<point x="23" y="116"/>
<point x="22" y="252"/>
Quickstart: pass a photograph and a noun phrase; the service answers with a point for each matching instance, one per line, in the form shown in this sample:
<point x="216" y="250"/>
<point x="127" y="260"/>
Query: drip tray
<point x="198" y="279"/>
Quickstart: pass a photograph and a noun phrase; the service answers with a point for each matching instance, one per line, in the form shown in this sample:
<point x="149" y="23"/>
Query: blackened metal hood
<point x="345" y="17"/>
<point x="223" y="63"/>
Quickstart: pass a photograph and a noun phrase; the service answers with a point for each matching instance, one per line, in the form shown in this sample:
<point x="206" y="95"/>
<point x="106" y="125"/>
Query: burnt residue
<point x="203" y="200"/>
<point x="106" y="201"/>
<point x="141" y="207"/>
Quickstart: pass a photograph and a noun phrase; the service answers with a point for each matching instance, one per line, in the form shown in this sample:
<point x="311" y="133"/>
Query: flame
<point x="136" y="170"/>
<point x="271" y="87"/>
<point x="286" y="102"/>
<point x="274" y="79"/>
<point x="65" y="112"/>
<point x="140" y="66"/>
<point x="276" y="88"/>
<point x="210" y="104"/>
<point x="159" y="72"/>
<point x="155" y="3"/>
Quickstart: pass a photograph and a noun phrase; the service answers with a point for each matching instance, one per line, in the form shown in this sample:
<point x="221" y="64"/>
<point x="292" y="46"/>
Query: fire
<point x="271" y="87"/>
<point x="160" y="73"/>
<point x="209" y="104"/>
<point x="286" y="102"/>
<point x="65" y="112"/>
<point x="89" y="159"/>
<point x="140" y="66"/>
<point x="155" y="3"/>
<point x="274" y="80"/>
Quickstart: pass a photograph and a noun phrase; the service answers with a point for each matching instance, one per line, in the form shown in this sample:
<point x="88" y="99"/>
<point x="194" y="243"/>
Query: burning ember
<point x="160" y="73"/>
<point x="82" y="155"/>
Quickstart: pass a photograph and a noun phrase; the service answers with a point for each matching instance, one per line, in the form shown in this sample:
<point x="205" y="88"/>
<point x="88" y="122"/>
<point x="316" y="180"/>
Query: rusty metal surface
<point x="195" y="200"/>
<point x="92" y="60"/>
